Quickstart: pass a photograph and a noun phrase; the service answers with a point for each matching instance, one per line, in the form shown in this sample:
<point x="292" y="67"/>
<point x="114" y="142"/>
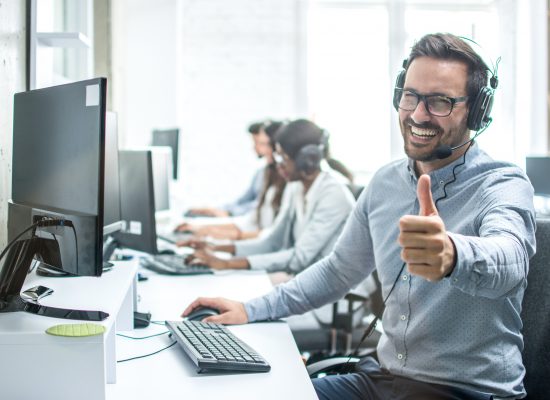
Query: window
<point x="356" y="48"/>
<point x="348" y="81"/>
<point x="61" y="45"/>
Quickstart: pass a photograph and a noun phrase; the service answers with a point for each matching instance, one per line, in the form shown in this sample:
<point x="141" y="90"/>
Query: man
<point x="249" y="199"/>
<point x="452" y="318"/>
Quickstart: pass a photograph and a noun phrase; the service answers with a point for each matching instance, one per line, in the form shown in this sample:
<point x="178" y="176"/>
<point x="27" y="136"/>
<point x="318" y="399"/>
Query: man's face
<point x="262" y="144"/>
<point x="423" y="132"/>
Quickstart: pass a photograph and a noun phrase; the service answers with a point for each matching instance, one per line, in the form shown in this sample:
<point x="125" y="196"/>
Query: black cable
<point x="454" y="170"/>
<point x="142" y="337"/>
<point x="147" y="355"/>
<point x="33" y="226"/>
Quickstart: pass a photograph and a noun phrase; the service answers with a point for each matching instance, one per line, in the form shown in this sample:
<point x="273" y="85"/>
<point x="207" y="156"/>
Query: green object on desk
<point x="76" y="330"/>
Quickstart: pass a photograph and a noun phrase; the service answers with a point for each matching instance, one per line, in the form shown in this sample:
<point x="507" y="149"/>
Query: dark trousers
<point x="373" y="383"/>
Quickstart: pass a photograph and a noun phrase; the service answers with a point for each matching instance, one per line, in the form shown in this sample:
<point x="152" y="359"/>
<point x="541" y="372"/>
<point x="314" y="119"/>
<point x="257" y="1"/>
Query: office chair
<point x="535" y="315"/>
<point x="345" y="331"/>
<point x="536" y="324"/>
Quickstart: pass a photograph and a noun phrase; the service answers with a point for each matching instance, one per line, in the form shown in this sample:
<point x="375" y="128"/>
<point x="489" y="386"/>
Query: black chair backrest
<point x="536" y="317"/>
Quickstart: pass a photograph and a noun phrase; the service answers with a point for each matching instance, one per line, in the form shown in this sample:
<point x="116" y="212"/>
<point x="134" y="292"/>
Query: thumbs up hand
<point x="426" y="248"/>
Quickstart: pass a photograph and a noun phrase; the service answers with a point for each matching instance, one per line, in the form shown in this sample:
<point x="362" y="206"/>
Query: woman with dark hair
<point x="269" y="201"/>
<point x="307" y="226"/>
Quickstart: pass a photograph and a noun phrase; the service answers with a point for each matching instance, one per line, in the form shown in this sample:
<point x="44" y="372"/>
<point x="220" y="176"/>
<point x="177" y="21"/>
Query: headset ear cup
<point x="399" y="82"/>
<point x="309" y="158"/>
<point x="480" y="110"/>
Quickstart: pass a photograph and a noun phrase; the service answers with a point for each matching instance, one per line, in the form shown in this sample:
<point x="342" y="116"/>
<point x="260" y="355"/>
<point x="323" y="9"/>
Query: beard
<point x="453" y="137"/>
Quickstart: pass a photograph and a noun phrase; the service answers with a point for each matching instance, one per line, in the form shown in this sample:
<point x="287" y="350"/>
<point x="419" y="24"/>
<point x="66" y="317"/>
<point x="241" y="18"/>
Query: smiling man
<point x="453" y="270"/>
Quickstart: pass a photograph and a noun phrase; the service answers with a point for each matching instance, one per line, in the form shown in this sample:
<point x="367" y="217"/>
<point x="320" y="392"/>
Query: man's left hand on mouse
<point x="426" y="248"/>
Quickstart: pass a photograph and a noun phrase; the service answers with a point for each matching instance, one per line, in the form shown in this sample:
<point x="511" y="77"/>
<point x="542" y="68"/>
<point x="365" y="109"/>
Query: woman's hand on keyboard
<point x="196" y="244"/>
<point x="231" y="312"/>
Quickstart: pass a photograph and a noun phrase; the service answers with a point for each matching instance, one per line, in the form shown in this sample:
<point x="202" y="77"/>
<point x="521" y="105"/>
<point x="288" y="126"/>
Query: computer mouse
<point x="167" y="251"/>
<point x="200" y="313"/>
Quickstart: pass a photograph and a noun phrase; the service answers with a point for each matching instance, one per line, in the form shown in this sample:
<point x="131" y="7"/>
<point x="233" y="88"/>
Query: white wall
<point x="211" y="68"/>
<point x="12" y="71"/>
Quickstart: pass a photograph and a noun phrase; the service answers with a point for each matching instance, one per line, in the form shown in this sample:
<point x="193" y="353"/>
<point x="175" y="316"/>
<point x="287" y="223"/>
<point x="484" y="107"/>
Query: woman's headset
<point x="309" y="157"/>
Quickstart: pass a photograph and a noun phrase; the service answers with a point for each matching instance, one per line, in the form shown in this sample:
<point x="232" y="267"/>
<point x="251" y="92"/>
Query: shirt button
<point x="441" y="182"/>
<point x="400" y="356"/>
<point x="455" y="279"/>
<point x="403" y="317"/>
<point x="405" y="277"/>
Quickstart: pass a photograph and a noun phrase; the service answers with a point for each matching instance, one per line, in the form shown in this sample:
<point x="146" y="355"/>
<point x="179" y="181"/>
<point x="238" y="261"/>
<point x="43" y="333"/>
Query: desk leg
<point x="110" y="355"/>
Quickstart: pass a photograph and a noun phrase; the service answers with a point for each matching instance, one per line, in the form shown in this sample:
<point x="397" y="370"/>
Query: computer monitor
<point x="162" y="173"/>
<point x="64" y="171"/>
<point x="538" y="171"/>
<point x="168" y="137"/>
<point x="111" y="200"/>
<point x="137" y="197"/>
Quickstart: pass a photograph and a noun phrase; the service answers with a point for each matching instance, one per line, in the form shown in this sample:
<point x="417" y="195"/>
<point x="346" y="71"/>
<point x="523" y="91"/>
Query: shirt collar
<point x="445" y="173"/>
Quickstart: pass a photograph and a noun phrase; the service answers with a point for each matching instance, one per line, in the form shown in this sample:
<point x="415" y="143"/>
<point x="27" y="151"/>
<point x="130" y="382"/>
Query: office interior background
<point x="210" y="67"/>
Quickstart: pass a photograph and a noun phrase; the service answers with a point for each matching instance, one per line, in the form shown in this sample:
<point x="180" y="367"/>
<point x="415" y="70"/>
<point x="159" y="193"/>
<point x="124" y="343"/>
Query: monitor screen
<point x="61" y="129"/>
<point x="538" y="171"/>
<point x="137" y="201"/>
<point x="58" y="171"/>
<point x="169" y="137"/>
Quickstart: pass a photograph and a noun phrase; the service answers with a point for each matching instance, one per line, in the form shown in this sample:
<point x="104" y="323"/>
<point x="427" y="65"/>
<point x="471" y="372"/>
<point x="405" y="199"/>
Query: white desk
<point x="170" y="374"/>
<point x="35" y="365"/>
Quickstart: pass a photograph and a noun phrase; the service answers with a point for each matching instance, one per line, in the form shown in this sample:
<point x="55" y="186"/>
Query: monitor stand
<point x="12" y="276"/>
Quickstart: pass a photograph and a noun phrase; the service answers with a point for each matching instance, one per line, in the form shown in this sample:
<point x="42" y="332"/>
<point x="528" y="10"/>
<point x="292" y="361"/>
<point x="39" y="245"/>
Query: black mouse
<point x="200" y="313"/>
<point x="167" y="251"/>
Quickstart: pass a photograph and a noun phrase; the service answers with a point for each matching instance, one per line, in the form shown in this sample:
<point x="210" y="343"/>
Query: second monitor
<point x="170" y="138"/>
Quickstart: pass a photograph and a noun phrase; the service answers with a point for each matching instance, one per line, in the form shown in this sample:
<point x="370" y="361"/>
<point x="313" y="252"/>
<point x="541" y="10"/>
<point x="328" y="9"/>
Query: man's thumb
<point x="424" y="194"/>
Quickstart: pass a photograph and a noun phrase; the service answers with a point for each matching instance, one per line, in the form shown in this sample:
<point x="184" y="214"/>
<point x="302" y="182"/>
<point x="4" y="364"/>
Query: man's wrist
<point x="451" y="268"/>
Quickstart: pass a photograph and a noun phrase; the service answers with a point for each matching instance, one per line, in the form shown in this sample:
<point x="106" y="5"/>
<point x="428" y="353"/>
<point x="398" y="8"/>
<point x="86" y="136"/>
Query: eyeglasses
<point x="437" y="105"/>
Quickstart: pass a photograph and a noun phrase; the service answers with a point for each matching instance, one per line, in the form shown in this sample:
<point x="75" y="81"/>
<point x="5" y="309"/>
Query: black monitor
<point x="137" y="197"/>
<point x="538" y="171"/>
<point x="63" y="176"/>
<point x="170" y="138"/>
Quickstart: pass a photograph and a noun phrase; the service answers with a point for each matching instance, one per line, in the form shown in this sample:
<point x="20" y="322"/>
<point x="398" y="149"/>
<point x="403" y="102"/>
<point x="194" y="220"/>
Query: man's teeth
<point x="423" y="132"/>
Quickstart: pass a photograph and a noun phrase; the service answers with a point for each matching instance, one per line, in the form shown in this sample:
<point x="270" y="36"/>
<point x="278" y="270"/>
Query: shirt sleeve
<point x="249" y="199"/>
<point x="495" y="263"/>
<point x="327" y="220"/>
<point x="328" y="280"/>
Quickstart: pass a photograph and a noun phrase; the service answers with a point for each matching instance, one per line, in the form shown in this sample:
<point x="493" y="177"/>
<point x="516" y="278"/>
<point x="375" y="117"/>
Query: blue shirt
<point x="250" y="198"/>
<point x="464" y="330"/>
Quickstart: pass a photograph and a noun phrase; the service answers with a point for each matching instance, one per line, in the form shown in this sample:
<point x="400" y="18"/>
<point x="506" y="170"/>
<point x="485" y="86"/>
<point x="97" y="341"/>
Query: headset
<point x="479" y="116"/>
<point x="309" y="157"/>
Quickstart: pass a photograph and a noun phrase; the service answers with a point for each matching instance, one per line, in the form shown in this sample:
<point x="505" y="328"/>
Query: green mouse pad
<point x="76" y="330"/>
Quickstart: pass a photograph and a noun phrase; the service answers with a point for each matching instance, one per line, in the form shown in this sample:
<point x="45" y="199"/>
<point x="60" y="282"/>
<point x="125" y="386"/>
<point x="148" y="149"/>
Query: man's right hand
<point x="231" y="312"/>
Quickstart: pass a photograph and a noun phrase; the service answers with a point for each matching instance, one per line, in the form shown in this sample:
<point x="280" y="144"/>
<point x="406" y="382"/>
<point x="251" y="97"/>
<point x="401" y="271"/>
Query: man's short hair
<point x="447" y="46"/>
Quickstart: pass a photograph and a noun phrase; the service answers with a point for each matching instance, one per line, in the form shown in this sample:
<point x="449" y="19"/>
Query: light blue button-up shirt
<point x="464" y="330"/>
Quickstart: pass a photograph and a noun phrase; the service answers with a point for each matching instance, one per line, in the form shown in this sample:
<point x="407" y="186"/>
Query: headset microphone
<point x="444" y="151"/>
